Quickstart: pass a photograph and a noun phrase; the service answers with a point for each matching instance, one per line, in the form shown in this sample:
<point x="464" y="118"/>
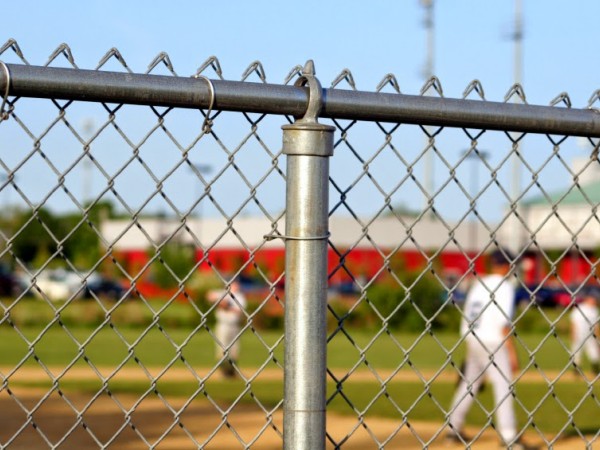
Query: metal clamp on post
<point x="295" y="140"/>
<point x="283" y="237"/>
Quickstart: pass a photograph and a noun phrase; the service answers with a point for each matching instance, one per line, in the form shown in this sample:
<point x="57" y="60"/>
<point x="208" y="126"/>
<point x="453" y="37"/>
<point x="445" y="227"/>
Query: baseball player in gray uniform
<point x="230" y="310"/>
<point x="487" y="328"/>
<point x="584" y="330"/>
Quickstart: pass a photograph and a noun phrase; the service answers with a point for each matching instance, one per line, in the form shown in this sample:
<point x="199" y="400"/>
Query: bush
<point x="175" y="263"/>
<point x="200" y="283"/>
<point x="264" y="319"/>
<point x="409" y="305"/>
<point x="540" y="320"/>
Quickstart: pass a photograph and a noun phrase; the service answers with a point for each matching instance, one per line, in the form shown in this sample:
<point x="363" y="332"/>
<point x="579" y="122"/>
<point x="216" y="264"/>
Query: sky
<point x="371" y="39"/>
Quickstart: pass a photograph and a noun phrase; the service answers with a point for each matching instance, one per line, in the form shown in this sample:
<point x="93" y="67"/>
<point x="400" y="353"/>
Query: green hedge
<point x="131" y="313"/>
<point x="408" y="306"/>
<point x="406" y="302"/>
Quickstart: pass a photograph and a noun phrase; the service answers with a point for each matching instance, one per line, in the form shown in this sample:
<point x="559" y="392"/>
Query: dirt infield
<point x="105" y="422"/>
<point x="154" y="421"/>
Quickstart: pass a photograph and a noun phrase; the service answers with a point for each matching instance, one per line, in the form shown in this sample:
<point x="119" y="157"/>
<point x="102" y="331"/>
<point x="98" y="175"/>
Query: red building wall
<point x="345" y="266"/>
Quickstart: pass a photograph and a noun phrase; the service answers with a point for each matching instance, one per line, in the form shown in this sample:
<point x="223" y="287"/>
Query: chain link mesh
<point x="127" y="229"/>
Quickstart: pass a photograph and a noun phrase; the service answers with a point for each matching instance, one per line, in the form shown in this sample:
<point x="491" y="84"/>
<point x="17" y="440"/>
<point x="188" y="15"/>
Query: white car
<point x="58" y="284"/>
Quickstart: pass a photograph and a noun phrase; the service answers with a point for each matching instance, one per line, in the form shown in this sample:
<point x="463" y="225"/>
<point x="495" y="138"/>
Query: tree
<point x="35" y="235"/>
<point x="174" y="263"/>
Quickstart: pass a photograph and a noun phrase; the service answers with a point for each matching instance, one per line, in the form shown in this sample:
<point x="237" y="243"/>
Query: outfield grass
<point x="108" y="346"/>
<point x="59" y="345"/>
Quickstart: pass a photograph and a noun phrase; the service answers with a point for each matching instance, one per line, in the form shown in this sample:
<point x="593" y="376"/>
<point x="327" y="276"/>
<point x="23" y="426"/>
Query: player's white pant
<point x="498" y="373"/>
<point x="584" y="341"/>
<point x="226" y="333"/>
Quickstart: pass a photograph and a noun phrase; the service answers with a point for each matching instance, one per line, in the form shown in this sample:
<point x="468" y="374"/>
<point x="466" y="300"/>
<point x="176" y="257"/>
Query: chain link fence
<point x="152" y="264"/>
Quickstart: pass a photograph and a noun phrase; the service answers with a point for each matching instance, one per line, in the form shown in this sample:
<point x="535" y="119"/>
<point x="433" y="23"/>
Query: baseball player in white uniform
<point x="486" y="323"/>
<point x="230" y="310"/>
<point x="584" y="331"/>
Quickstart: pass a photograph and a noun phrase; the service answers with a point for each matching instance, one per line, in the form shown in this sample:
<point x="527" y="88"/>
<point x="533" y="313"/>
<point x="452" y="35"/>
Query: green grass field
<point x="157" y="348"/>
<point x="108" y="346"/>
<point x="553" y="407"/>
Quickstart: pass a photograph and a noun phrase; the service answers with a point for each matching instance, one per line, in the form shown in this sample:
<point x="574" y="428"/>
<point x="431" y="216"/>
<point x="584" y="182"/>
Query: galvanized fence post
<point x="308" y="146"/>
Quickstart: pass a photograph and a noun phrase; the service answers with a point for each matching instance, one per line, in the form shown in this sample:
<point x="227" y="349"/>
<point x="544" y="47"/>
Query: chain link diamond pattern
<point x="120" y="221"/>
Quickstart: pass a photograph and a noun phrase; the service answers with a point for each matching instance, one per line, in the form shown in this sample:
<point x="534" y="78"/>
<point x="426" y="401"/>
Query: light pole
<point x="202" y="169"/>
<point x="428" y="23"/>
<point x="89" y="127"/>
<point x="199" y="169"/>
<point x="476" y="156"/>
<point x="429" y="27"/>
<point x="517" y="37"/>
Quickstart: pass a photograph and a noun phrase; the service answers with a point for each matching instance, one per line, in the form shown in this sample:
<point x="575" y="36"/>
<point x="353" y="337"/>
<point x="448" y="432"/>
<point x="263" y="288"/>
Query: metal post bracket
<point x="322" y="135"/>
<point x="315" y="98"/>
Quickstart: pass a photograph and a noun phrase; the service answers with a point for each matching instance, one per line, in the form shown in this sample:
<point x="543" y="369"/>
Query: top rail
<point x="183" y="92"/>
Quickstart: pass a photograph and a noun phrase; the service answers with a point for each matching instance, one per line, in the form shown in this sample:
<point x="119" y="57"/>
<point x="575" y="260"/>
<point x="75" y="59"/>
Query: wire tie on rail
<point x="4" y="114"/>
<point x="207" y="122"/>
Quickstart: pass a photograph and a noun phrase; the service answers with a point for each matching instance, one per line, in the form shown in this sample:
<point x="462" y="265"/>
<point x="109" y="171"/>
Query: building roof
<point x="582" y="195"/>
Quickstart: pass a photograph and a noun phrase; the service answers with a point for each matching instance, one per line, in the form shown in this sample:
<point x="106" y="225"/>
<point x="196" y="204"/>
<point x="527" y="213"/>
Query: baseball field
<point x="157" y="386"/>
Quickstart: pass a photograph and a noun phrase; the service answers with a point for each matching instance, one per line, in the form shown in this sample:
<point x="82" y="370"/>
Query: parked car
<point x="539" y="294"/>
<point x="99" y="286"/>
<point x="58" y="284"/>
<point x="9" y="283"/>
<point x="546" y="295"/>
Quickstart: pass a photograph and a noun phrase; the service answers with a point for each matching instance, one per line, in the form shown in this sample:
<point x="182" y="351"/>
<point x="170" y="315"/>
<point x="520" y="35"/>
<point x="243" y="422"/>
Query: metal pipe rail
<point x="182" y="92"/>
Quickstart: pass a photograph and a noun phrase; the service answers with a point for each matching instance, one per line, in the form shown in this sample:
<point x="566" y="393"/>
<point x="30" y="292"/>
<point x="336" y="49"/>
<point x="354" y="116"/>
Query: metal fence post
<point x="308" y="146"/>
